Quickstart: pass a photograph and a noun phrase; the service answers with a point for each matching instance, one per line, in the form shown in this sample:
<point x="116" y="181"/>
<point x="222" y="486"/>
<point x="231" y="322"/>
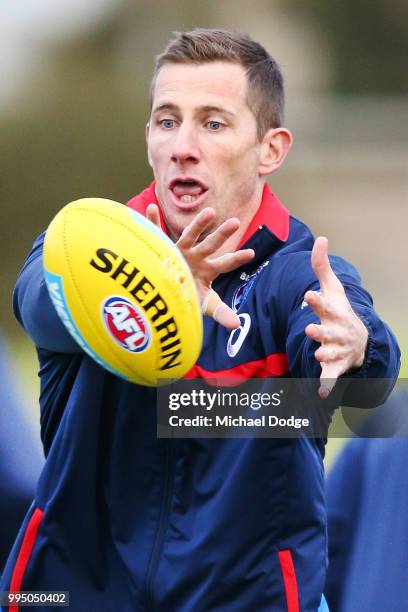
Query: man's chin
<point x="176" y="225"/>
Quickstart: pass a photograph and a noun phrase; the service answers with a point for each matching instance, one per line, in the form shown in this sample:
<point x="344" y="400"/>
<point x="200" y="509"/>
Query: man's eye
<point x="167" y="124"/>
<point x="214" y="125"/>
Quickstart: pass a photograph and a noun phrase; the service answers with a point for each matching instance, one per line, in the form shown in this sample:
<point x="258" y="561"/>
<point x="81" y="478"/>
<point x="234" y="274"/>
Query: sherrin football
<point x="123" y="290"/>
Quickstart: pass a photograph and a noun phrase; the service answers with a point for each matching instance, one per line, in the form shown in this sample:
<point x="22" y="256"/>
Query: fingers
<point x="328" y="378"/>
<point x="325" y="333"/>
<point x="326" y="387"/>
<point x="226" y="317"/>
<point x="194" y="230"/>
<point x="342" y="335"/>
<point x="212" y="242"/>
<point x="316" y="301"/>
<point x="321" y="265"/>
<point x="331" y="352"/>
<point x="231" y="261"/>
<point x="328" y="305"/>
<point x="213" y="306"/>
<point x="333" y="355"/>
<point x="216" y="239"/>
<point x="152" y="213"/>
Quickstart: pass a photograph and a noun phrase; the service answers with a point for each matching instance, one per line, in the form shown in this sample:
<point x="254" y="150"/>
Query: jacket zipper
<point x="159" y="538"/>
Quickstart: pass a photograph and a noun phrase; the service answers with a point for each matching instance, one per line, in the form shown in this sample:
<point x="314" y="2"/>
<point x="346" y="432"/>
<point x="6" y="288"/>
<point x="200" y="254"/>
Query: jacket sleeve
<point x="33" y="307"/>
<point x="382" y="359"/>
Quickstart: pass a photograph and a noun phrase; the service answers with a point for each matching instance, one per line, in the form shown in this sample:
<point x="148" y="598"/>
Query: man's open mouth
<point x="187" y="190"/>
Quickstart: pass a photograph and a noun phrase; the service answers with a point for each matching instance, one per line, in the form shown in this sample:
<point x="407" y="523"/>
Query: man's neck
<point x="231" y="244"/>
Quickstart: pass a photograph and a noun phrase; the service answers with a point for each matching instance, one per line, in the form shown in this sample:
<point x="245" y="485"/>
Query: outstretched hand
<point x="341" y="333"/>
<point x="204" y="266"/>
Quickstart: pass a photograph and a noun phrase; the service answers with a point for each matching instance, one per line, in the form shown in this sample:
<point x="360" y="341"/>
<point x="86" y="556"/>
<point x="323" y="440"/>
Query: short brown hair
<point x="265" y="82"/>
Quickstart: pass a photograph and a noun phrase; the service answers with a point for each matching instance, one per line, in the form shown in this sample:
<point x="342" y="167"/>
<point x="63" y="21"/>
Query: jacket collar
<point x="271" y="214"/>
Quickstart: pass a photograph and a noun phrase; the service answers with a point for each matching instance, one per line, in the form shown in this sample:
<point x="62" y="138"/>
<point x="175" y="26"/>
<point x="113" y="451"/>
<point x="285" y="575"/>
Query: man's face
<point x="203" y="145"/>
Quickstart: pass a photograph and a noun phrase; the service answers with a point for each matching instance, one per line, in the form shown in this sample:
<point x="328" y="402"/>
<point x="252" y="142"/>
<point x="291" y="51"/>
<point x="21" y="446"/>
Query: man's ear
<point x="275" y="146"/>
<point x="147" y="128"/>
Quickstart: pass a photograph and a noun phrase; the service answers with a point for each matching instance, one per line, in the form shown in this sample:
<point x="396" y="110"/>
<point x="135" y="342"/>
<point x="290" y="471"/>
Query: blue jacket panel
<point x="127" y="521"/>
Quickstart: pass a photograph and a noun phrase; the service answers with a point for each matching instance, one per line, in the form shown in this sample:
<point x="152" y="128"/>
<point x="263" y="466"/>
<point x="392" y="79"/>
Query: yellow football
<point x="123" y="290"/>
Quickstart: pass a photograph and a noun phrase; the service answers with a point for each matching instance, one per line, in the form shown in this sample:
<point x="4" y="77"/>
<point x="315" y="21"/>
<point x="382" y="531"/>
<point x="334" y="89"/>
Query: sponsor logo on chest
<point x="242" y="291"/>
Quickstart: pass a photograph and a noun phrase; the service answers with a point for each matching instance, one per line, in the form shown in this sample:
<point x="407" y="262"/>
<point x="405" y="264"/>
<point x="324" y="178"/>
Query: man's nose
<point x="185" y="146"/>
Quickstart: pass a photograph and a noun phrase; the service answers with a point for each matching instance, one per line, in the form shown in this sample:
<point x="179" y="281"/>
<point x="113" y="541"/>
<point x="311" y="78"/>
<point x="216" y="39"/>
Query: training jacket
<point x="127" y="522"/>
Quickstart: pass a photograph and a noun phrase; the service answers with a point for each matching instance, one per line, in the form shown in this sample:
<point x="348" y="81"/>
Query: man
<point x="125" y="521"/>
<point x="367" y="509"/>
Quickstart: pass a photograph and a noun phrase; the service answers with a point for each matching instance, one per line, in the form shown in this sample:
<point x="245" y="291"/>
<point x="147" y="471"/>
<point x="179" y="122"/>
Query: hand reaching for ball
<point x="204" y="264"/>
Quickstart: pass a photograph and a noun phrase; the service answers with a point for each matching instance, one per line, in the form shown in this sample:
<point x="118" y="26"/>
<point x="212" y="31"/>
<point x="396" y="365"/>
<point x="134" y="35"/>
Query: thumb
<point x="321" y="265"/>
<point x="153" y="215"/>
<point x="213" y="306"/>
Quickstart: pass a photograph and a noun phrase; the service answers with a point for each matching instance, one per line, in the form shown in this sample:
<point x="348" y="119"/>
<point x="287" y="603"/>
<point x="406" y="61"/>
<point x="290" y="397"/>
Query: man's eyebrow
<point x="215" y="109"/>
<point x="209" y="108"/>
<point x="166" y="106"/>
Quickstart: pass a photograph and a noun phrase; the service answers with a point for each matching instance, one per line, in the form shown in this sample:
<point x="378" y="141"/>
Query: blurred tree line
<point x="81" y="133"/>
<point x="368" y="41"/>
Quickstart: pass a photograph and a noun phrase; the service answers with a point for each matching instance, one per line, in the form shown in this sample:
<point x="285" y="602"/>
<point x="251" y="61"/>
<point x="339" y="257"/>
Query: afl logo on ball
<point x="126" y="324"/>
